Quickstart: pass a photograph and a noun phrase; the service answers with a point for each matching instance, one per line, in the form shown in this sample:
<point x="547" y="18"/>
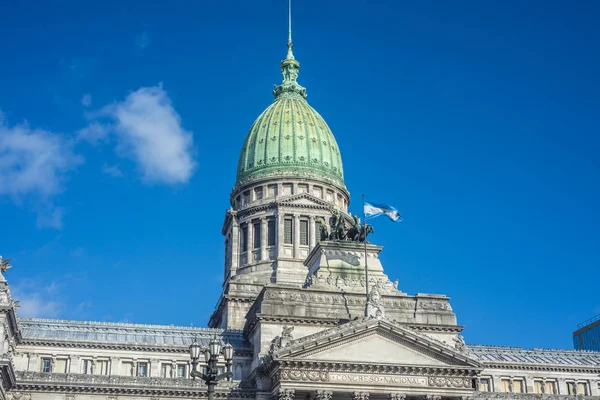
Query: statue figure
<point x="459" y="343"/>
<point x="279" y="342"/>
<point x="375" y="304"/>
<point x="4" y="264"/>
<point x="337" y="225"/>
<point x="323" y="231"/>
<point x="290" y="73"/>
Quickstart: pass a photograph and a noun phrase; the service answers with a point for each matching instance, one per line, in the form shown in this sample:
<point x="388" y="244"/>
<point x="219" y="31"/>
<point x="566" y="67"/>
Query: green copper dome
<point x="290" y="138"/>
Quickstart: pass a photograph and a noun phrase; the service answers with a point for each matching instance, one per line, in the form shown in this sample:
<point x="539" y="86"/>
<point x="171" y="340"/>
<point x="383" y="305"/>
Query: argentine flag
<point x="373" y="210"/>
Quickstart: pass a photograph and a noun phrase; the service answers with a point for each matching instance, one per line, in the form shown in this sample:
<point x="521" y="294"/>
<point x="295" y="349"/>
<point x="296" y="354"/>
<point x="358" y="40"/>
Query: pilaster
<point x="312" y="232"/>
<point x="264" y="255"/>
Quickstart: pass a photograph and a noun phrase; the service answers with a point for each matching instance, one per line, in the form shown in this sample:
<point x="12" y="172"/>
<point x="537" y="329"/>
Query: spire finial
<point x="290" y="55"/>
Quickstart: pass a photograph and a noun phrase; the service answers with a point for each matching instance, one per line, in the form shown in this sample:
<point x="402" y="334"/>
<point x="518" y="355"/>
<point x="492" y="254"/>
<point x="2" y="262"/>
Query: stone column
<point x="234" y="243"/>
<point x="285" y="394"/>
<point x="250" y="243"/>
<point x="280" y="233"/>
<point x="360" y="396"/>
<point x="264" y="255"/>
<point x="296" y="238"/>
<point x="312" y="235"/>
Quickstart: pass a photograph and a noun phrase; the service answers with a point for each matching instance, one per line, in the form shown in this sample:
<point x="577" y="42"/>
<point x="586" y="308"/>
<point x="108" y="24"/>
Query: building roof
<point x="290" y="138"/>
<point x="35" y="329"/>
<point x="512" y="355"/>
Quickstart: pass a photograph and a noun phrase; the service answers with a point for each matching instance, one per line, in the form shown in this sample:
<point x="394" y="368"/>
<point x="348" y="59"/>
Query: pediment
<point x="304" y="199"/>
<point x="375" y="342"/>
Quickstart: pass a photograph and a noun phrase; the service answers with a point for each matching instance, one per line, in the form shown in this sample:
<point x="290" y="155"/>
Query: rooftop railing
<point x="589" y="321"/>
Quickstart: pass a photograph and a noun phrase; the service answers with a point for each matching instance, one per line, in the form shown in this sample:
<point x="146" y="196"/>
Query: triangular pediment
<point x="305" y="199"/>
<point x="375" y="342"/>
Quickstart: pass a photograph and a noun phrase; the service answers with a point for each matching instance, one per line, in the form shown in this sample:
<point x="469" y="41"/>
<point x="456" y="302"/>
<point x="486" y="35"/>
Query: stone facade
<point x="308" y="318"/>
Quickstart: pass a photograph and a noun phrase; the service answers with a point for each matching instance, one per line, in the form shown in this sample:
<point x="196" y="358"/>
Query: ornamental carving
<point x="313" y="376"/>
<point x="285" y="394"/>
<point x="397" y="396"/>
<point x="360" y="396"/>
<point x="452" y="382"/>
<point x="19" y="396"/>
<point x="323" y="395"/>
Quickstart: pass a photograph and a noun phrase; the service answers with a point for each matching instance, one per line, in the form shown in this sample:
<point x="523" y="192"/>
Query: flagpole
<point x="366" y="262"/>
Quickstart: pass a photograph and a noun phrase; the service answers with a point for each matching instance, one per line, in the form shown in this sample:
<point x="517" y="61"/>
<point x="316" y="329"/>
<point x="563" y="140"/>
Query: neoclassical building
<point x="294" y="306"/>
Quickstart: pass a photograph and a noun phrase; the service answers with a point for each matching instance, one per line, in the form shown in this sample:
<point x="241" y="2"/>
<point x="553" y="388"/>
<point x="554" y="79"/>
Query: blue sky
<point x="122" y="123"/>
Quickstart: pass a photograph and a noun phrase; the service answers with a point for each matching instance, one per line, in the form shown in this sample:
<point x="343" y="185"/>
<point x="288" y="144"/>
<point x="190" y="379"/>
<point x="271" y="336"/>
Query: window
<point x="304" y="233"/>
<point x="551" y="387"/>
<point x="60" y="366"/>
<point x="142" y="369"/>
<point x="166" y="370"/>
<point x="258" y="193"/>
<point x="287" y="231"/>
<point x="571" y="388"/>
<point x="317" y="191"/>
<point x="127" y="369"/>
<point x="257" y="237"/>
<point x="86" y="367"/>
<point x="246" y="197"/>
<point x="514" y="385"/>
<point x="537" y="386"/>
<point x="287" y="189"/>
<point x="46" y="365"/>
<point x="181" y="370"/>
<point x="244" y="238"/>
<point x="101" y="367"/>
<point x="302" y="188"/>
<point x="484" y="385"/>
<point x="272" y="190"/>
<point x="271" y="232"/>
<point x="329" y="195"/>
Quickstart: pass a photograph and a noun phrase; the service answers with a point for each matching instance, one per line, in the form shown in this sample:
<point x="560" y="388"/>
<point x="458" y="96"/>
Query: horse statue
<point x="337" y="225"/>
<point x="358" y="232"/>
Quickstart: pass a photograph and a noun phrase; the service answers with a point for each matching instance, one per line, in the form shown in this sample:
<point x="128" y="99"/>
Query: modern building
<point x="293" y="306"/>
<point x="587" y="335"/>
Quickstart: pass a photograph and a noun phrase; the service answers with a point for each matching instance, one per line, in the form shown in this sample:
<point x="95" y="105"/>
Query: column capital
<point x="360" y="396"/>
<point x="323" y="395"/>
<point x="397" y="396"/>
<point x="285" y="394"/>
<point x="433" y="397"/>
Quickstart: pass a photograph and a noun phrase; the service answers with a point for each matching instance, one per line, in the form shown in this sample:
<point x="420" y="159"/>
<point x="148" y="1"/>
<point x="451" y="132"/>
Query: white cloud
<point x="38" y="301"/>
<point x="148" y="130"/>
<point x="33" y="166"/>
<point x="94" y="132"/>
<point x="86" y="100"/>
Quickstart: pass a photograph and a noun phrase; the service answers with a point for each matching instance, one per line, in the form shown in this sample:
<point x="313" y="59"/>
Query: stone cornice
<point x="123" y="385"/>
<point x="543" y="367"/>
<point x="370" y="368"/>
<point x="81" y="344"/>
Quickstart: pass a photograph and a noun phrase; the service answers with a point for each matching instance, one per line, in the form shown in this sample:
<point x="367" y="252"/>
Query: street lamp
<point x="211" y="356"/>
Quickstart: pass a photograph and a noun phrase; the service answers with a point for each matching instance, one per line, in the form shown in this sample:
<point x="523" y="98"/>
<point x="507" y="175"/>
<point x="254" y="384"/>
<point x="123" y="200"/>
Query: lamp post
<point x="211" y="356"/>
